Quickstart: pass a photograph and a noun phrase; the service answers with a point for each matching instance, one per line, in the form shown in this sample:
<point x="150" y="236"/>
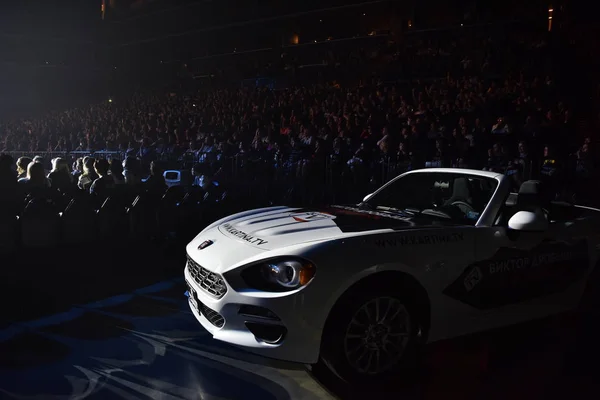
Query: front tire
<point x="372" y="337"/>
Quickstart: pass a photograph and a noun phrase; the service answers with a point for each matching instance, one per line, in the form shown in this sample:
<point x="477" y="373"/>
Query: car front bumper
<point x="274" y="325"/>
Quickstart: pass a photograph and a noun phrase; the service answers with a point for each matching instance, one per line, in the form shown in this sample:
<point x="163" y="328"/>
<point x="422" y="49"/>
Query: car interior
<point x="533" y="196"/>
<point x="462" y="199"/>
<point x="469" y="195"/>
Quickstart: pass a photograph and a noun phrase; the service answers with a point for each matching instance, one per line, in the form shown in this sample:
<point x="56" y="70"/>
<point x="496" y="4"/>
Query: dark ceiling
<point x="66" y="19"/>
<point x="50" y="46"/>
<point x="72" y="32"/>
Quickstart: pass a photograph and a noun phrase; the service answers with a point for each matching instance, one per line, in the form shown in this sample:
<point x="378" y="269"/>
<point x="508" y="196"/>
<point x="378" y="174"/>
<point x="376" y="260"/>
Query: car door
<point x="521" y="275"/>
<point x="434" y="257"/>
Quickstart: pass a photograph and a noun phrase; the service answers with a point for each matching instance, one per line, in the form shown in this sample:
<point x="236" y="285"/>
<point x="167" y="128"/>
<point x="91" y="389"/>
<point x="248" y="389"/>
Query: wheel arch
<point x="401" y="280"/>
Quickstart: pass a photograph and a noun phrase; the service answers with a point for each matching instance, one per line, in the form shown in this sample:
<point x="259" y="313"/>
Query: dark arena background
<point x="252" y="104"/>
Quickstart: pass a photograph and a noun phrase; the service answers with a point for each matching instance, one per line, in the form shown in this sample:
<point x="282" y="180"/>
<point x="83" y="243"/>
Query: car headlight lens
<point x="279" y="275"/>
<point x="288" y="274"/>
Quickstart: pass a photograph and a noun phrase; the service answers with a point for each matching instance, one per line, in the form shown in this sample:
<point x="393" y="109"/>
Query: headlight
<point x="289" y="274"/>
<point x="279" y="275"/>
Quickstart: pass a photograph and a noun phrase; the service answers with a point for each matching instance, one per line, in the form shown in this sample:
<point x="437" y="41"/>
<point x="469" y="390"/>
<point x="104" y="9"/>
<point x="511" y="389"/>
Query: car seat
<point x="532" y="198"/>
<point x="461" y="196"/>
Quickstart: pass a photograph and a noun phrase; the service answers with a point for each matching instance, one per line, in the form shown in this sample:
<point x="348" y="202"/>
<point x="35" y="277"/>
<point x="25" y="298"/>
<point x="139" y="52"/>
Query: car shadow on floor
<point x="554" y="358"/>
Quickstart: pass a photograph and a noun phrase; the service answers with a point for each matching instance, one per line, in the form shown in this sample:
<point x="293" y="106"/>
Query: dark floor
<point x="551" y="359"/>
<point x="115" y="324"/>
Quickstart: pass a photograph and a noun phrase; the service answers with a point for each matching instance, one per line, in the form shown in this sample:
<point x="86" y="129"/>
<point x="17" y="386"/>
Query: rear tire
<point x="372" y="337"/>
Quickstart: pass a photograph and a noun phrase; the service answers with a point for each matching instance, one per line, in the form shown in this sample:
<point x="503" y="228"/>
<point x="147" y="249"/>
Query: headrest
<point x="531" y="188"/>
<point x="532" y="193"/>
<point x="460" y="188"/>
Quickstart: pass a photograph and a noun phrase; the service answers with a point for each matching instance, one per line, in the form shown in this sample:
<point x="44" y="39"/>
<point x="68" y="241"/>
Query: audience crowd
<point x="497" y="107"/>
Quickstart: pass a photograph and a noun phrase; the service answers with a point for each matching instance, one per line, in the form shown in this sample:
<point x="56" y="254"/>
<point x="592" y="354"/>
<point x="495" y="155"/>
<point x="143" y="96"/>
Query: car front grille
<point x="210" y="282"/>
<point x="211" y="315"/>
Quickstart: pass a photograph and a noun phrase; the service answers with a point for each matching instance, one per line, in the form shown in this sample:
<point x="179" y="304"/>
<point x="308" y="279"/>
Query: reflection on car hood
<point x="283" y="227"/>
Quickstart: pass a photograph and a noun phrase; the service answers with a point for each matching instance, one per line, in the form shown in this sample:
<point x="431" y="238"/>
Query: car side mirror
<point x="528" y="221"/>
<point x="367" y="197"/>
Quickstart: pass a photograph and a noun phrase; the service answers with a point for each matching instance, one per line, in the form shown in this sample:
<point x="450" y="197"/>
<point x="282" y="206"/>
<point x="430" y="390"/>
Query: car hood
<point x="288" y="226"/>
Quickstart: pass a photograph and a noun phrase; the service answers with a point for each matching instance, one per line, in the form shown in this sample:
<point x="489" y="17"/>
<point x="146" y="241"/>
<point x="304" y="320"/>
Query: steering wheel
<point x="463" y="206"/>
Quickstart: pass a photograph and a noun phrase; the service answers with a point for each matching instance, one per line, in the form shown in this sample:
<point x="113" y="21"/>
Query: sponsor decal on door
<point x="513" y="275"/>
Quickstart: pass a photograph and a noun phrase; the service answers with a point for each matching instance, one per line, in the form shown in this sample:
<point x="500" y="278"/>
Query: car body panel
<point x="476" y="277"/>
<point x="283" y="227"/>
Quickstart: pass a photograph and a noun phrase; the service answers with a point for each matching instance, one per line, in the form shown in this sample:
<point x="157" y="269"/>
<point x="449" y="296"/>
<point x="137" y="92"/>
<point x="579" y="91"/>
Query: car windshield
<point x="458" y="198"/>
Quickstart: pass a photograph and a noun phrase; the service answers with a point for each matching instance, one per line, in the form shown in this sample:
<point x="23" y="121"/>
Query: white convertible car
<point x="432" y="255"/>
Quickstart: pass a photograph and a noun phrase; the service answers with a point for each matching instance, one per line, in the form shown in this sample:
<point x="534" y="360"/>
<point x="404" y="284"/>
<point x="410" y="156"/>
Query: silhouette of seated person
<point x="116" y="171"/>
<point x="89" y="174"/>
<point x="35" y="183"/>
<point x="105" y="184"/>
<point x="9" y="193"/>
<point x="155" y="185"/>
<point x="60" y="177"/>
<point x="22" y="164"/>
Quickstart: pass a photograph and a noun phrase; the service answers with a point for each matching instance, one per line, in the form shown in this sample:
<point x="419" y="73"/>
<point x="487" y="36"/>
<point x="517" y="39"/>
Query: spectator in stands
<point x="459" y="144"/>
<point x="402" y="155"/>
<point x="22" y="164"/>
<point x="212" y="187"/>
<point x="497" y="159"/>
<point x="440" y="158"/>
<point x="350" y="123"/>
<point x="8" y="177"/>
<point x="131" y="171"/>
<point x="155" y="183"/>
<point x="36" y="182"/>
<point x="77" y="169"/>
<point x="199" y="172"/>
<point x="10" y="195"/>
<point x="42" y="161"/>
<point x="585" y="163"/>
<point x="116" y="171"/>
<point x="501" y="127"/>
<point x="89" y="174"/>
<point x="104" y="185"/>
<point x="60" y="177"/>
<point x="146" y="152"/>
<point x="523" y="163"/>
<point x="551" y="171"/>
<point x="550" y="167"/>
<point x="208" y="151"/>
<point x="82" y="146"/>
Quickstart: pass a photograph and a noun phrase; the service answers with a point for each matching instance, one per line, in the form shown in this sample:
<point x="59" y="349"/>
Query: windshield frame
<point x="488" y="210"/>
